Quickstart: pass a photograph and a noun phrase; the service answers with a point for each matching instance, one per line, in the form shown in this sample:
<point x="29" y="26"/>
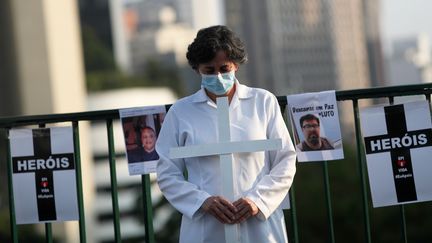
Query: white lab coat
<point x="263" y="177"/>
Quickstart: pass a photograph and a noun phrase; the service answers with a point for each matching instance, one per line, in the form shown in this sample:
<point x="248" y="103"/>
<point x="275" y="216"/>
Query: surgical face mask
<point x="218" y="84"/>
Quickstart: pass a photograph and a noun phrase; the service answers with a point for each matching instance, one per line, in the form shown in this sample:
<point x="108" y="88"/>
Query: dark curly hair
<point x="213" y="39"/>
<point x="308" y="117"/>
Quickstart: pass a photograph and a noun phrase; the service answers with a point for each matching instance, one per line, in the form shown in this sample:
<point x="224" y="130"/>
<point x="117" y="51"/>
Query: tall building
<point x="411" y="61"/>
<point x="207" y="13"/>
<point x="298" y="46"/>
<point x="371" y="10"/>
<point x="160" y="32"/>
<point x="167" y="42"/>
<point x="134" y="24"/>
<point x="41" y="72"/>
<point x="302" y="45"/>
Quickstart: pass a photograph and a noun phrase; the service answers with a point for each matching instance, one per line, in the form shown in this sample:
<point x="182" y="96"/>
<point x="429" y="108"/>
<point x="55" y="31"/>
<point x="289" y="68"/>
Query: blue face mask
<point x="218" y="84"/>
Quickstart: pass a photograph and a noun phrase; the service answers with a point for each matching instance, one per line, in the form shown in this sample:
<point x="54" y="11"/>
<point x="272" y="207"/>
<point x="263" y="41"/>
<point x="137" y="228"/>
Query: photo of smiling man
<point x="141" y="126"/>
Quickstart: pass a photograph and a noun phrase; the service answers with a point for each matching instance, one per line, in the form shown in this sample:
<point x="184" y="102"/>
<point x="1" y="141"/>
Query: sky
<point x="404" y="18"/>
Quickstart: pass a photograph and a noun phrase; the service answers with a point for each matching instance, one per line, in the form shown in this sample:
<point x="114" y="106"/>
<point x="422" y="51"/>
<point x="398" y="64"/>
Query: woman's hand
<point x="221" y="209"/>
<point x="245" y="208"/>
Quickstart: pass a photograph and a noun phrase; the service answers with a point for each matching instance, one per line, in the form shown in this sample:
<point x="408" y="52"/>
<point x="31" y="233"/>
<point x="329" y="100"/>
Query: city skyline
<point x="401" y="19"/>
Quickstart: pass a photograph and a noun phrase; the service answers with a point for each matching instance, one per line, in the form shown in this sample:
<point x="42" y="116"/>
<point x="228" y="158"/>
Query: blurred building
<point x="298" y="46"/>
<point x="308" y="45"/>
<point x="167" y="43"/>
<point x="159" y="31"/>
<point x="195" y="14"/>
<point x="207" y="13"/>
<point x="41" y="72"/>
<point x="138" y="31"/>
<point x="371" y="13"/>
<point x="410" y="61"/>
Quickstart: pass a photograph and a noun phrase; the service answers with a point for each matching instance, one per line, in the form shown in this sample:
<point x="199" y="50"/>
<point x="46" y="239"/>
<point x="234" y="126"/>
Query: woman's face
<point x="148" y="139"/>
<point x="219" y="64"/>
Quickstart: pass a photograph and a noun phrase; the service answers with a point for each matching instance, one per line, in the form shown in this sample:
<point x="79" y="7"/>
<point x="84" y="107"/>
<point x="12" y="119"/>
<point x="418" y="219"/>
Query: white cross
<point x="225" y="148"/>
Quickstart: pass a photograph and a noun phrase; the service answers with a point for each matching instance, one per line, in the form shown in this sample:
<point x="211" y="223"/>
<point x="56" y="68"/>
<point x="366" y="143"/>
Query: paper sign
<point x="43" y="174"/>
<point x="398" y="141"/>
<point x="141" y="127"/>
<point x="316" y="127"/>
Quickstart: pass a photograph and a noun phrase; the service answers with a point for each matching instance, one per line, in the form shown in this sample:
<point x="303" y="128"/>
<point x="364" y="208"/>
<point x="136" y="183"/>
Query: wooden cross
<point x="225" y="149"/>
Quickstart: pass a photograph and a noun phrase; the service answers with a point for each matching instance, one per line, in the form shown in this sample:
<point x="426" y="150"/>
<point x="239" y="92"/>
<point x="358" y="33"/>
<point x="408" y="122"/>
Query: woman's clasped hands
<point x="230" y="213"/>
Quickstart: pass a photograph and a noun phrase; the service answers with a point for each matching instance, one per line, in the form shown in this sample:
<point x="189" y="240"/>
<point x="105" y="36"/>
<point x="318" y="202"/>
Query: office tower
<point x="41" y="72"/>
<point x="411" y="61"/>
<point x="308" y="45"/>
<point x="371" y="13"/>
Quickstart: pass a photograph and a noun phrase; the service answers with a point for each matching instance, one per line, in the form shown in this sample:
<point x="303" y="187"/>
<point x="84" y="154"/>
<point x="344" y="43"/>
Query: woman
<point x="262" y="178"/>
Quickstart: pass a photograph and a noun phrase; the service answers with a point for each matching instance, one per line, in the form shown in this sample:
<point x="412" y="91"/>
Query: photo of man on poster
<point x="315" y="121"/>
<point x="141" y="126"/>
<point x="310" y="126"/>
<point x="146" y="150"/>
<point x="140" y="136"/>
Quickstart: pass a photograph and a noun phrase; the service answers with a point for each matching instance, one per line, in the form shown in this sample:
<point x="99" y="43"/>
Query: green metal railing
<point x="74" y="118"/>
<point x="108" y="116"/>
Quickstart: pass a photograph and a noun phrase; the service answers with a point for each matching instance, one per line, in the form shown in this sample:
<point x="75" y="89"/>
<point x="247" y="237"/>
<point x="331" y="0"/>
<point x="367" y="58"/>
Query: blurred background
<point x="81" y="55"/>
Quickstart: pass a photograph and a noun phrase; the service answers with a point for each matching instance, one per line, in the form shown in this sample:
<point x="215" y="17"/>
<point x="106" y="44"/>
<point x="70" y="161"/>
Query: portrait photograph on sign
<point x="398" y="145"/>
<point x="316" y="128"/>
<point x="141" y="128"/>
<point x="43" y="175"/>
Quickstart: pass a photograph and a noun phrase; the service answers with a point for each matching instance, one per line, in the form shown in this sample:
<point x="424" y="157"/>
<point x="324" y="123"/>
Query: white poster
<point x="44" y="182"/>
<point x="316" y="127"/>
<point x="398" y="141"/>
<point x="141" y="128"/>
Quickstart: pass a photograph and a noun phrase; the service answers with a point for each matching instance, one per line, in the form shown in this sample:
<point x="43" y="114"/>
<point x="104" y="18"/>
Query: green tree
<point x="103" y="74"/>
<point x="97" y="57"/>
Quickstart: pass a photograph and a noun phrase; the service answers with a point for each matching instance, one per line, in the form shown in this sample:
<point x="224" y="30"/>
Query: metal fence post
<point x="293" y="214"/>
<point x="12" y="220"/>
<point x="362" y="172"/>
<point x="328" y="201"/>
<point x="78" y="172"/>
<point x="148" y="209"/>
<point x="113" y="177"/>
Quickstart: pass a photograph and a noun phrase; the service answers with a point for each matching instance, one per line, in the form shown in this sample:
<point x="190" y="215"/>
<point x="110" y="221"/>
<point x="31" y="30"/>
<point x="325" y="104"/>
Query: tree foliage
<point x="97" y="57"/>
<point x="102" y="72"/>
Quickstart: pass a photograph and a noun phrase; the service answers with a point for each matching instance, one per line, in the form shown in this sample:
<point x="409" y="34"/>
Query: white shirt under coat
<point x="263" y="177"/>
